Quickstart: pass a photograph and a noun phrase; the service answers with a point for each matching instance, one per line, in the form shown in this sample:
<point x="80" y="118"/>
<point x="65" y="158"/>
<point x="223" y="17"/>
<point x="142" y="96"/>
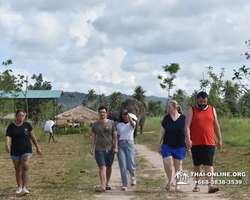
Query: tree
<point x="10" y="84"/>
<point x="61" y="107"/>
<point x="139" y="94"/>
<point x="91" y="96"/>
<point x="101" y="101"/>
<point x="115" y="101"/>
<point x="155" y="108"/>
<point x="71" y="96"/>
<point x="181" y="97"/>
<point x="168" y="83"/>
<point x="37" y="106"/>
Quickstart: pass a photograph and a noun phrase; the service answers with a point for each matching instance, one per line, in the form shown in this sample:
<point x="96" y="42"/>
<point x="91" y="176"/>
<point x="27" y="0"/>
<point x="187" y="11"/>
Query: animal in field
<point x="87" y="135"/>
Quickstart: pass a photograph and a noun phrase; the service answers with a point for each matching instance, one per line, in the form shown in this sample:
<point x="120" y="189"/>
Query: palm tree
<point x="231" y="91"/>
<point x="102" y="100"/>
<point x="71" y="96"/>
<point x="91" y="96"/>
<point x="61" y="107"/>
<point x="139" y="94"/>
<point x="180" y="96"/>
<point x="115" y="101"/>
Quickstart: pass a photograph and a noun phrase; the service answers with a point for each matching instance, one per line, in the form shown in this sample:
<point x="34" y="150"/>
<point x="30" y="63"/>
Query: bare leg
<point x="209" y="168"/>
<point x="197" y="169"/>
<point x="168" y="162"/>
<point x="25" y="168"/>
<point x="18" y="170"/>
<point x="177" y="167"/>
<point x="102" y="176"/>
<point x="108" y="174"/>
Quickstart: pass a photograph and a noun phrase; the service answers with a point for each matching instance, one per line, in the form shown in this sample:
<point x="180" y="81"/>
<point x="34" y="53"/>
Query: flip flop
<point x="213" y="190"/>
<point x="168" y="187"/>
<point x="108" y="188"/>
<point x="100" y="190"/>
<point x="196" y="189"/>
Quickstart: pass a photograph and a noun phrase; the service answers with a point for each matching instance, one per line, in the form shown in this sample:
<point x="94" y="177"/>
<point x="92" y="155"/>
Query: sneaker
<point x="133" y="182"/>
<point x="124" y="189"/>
<point x="25" y="191"/>
<point x="18" y="191"/>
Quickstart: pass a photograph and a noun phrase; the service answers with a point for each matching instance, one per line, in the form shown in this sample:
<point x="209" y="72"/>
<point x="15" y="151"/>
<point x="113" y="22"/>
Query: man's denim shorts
<point x="104" y="158"/>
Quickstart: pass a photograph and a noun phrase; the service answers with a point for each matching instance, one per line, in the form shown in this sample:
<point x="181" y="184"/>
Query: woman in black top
<point x="20" y="150"/>
<point x="173" y="147"/>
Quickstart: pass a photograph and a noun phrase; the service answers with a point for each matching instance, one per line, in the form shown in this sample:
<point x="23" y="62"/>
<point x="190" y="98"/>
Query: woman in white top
<point x="126" y="149"/>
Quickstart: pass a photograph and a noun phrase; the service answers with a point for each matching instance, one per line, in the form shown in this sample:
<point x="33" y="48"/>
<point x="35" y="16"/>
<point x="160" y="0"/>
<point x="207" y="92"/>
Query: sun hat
<point x="133" y="116"/>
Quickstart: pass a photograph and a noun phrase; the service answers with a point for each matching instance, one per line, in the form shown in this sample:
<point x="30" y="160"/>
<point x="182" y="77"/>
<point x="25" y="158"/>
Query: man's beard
<point x="201" y="107"/>
<point x="102" y="117"/>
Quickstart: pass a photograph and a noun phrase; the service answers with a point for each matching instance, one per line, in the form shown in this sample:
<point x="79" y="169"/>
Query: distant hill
<point x="79" y="97"/>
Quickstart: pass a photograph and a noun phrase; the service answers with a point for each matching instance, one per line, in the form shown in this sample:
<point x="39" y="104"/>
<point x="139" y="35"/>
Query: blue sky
<point x="116" y="45"/>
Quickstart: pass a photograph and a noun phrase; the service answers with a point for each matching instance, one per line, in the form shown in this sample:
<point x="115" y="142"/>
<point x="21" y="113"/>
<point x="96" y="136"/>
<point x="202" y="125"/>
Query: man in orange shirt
<point x="201" y="124"/>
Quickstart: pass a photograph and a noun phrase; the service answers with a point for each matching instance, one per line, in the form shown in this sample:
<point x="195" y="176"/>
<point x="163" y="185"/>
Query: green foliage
<point x="168" y="83"/>
<point x="155" y="108"/>
<point x="139" y="94"/>
<point x="115" y="101"/>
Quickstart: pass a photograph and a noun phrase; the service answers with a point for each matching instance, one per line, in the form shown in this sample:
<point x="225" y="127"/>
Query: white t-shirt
<point x="48" y="126"/>
<point x="125" y="131"/>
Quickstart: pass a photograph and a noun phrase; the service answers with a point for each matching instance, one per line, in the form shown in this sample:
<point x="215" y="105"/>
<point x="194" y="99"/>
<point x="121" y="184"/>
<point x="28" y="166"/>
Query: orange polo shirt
<point x="202" y="126"/>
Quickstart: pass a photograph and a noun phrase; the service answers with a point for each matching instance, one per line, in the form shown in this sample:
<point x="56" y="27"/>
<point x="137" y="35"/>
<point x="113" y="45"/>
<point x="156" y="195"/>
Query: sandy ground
<point x="155" y="161"/>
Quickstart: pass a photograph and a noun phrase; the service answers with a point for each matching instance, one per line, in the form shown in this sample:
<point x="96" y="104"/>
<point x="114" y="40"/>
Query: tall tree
<point x="71" y="96"/>
<point x="91" y="96"/>
<point x="155" y="108"/>
<point x="180" y="96"/>
<point x="139" y="94"/>
<point x="168" y="83"/>
<point x="61" y="107"/>
<point x="101" y="101"/>
<point x="115" y="101"/>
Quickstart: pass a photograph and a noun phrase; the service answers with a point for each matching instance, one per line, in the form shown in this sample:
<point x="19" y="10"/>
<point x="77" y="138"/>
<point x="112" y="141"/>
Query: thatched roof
<point x="78" y="114"/>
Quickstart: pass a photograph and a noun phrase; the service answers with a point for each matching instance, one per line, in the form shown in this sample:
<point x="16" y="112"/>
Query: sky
<point x="114" y="46"/>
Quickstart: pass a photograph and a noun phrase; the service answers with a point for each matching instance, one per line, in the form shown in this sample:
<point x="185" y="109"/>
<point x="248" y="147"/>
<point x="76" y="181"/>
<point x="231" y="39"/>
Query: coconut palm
<point x="115" y="101"/>
<point x="102" y="100"/>
<point x="139" y="94"/>
<point x="91" y="96"/>
<point x="71" y="96"/>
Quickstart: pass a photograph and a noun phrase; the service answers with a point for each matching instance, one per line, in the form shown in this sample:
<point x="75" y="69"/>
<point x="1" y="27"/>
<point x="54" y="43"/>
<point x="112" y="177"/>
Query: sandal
<point x="100" y="190"/>
<point x="168" y="187"/>
<point x="196" y="189"/>
<point x="213" y="190"/>
<point x="108" y="188"/>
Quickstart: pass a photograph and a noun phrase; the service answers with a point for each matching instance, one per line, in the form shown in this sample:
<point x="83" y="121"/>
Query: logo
<point x="26" y="131"/>
<point x="181" y="177"/>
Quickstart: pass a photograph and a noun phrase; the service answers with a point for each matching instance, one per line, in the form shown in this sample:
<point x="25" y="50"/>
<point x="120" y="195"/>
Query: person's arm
<point x="161" y="135"/>
<point x="132" y="123"/>
<point x="115" y="150"/>
<point x="7" y="144"/>
<point x="187" y="128"/>
<point x="92" y="143"/>
<point x="217" y="130"/>
<point x="33" y="138"/>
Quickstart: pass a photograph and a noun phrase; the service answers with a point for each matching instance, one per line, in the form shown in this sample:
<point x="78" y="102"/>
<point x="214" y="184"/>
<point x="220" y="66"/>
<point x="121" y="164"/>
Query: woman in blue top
<point x="171" y="142"/>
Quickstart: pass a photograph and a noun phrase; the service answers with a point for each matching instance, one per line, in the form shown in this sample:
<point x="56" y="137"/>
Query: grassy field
<point x="73" y="178"/>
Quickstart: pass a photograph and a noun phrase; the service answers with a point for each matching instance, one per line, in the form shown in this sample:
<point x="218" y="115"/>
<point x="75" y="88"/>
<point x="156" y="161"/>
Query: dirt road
<point x="155" y="161"/>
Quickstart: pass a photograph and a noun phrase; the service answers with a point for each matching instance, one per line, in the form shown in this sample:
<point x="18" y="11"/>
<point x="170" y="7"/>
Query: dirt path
<point x="155" y="161"/>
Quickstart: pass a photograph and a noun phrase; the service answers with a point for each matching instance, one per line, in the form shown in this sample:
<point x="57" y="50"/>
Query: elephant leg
<point x="141" y="129"/>
<point x="135" y="132"/>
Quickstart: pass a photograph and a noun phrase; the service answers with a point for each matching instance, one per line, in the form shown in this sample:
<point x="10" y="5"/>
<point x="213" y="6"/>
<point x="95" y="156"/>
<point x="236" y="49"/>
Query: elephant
<point x="138" y="109"/>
